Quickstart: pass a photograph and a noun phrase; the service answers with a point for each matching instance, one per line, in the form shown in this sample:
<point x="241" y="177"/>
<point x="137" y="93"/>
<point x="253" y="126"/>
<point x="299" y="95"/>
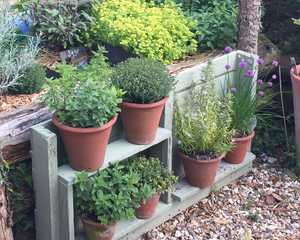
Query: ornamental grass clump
<point x="203" y="126"/>
<point x="158" y="32"/>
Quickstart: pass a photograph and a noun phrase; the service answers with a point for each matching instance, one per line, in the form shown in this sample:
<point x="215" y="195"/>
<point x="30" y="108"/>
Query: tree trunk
<point x="5" y="218"/>
<point x="249" y="25"/>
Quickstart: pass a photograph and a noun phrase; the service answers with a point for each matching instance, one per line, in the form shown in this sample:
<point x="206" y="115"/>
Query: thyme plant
<point x="17" y="52"/>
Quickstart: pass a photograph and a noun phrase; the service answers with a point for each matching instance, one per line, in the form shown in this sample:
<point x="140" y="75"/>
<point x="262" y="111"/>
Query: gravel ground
<point x="265" y="204"/>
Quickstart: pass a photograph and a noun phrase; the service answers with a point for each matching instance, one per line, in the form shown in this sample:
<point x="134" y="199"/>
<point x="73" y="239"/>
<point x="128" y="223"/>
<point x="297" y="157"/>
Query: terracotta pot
<point x="85" y="147"/>
<point x="240" y="149"/>
<point x="141" y="121"/>
<point x="147" y="209"/>
<point x="296" y="96"/>
<point x="98" y="231"/>
<point x="200" y="173"/>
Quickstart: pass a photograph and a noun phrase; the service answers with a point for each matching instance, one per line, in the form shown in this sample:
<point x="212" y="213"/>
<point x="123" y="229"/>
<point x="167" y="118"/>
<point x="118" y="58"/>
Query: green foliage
<point x="59" y="24"/>
<point x="203" y="126"/>
<point x="158" y="32"/>
<point x="154" y="178"/>
<point x="31" y="81"/>
<point x="4" y="168"/>
<point x="108" y="196"/>
<point x="84" y="97"/>
<point x="297" y="21"/>
<point x="143" y="80"/>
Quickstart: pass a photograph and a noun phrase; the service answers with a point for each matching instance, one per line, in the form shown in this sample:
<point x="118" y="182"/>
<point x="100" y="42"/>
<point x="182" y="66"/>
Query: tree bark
<point x="5" y="217"/>
<point x="249" y="25"/>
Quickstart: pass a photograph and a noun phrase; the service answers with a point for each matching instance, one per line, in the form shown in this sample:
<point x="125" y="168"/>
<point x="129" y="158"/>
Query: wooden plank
<point x="5" y="221"/>
<point x="44" y="171"/>
<point x="115" y="152"/>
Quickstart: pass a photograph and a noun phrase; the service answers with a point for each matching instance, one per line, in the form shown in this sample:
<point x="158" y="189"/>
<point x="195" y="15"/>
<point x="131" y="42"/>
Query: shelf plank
<point x="184" y="197"/>
<point x="225" y="173"/>
<point x="115" y="152"/>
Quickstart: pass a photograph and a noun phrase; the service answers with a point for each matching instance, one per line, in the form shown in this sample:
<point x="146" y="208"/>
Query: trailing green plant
<point x="31" y="81"/>
<point x="143" y="80"/>
<point x="159" y="32"/>
<point x="203" y="125"/>
<point x="4" y="168"/>
<point x="154" y="177"/>
<point x="17" y="52"/>
<point x="84" y="97"/>
<point x="249" y="96"/>
<point x="59" y="24"/>
<point x="108" y="196"/>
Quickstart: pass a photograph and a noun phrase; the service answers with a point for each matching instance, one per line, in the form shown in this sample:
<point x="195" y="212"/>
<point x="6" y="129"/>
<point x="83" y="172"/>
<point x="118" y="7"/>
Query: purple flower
<point x="270" y="84"/>
<point x="249" y="73"/>
<point x="227" y="67"/>
<point x="275" y="63"/>
<point x="233" y="90"/>
<point x="260" y="82"/>
<point x="228" y="50"/>
<point x="260" y="61"/>
<point x="243" y="64"/>
<point x="274" y="76"/>
<point x="261" y="93"/>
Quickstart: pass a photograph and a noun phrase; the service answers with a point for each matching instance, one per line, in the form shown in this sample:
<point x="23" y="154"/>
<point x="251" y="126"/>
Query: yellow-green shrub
<point x="159" y="32"/>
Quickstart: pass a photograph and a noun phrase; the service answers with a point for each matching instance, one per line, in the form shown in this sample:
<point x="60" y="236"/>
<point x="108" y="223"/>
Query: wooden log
<point x="5" y="220"/>
<point x="15" y="131"/>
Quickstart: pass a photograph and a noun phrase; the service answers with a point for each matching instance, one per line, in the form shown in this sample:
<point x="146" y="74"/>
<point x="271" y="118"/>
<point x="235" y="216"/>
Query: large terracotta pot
<point x="85" y="147"/>
<point x="240" y="148"/>
<point x="147" y="209"/>
<point x="97" y="231"/>
<point x="296" y="96"/>
<point x="141" y="121"/>
<point x="200" y="173"/>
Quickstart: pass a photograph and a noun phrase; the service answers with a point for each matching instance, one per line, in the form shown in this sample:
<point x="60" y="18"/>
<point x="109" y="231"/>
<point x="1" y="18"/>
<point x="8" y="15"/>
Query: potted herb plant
<point x="146" y="84"/>
<point x="85" y="108"/>
<point x="249" y="97"/>
<point x="104" y="199"/>
<point x="154" y="180"/>
<point x="203" y="132"/>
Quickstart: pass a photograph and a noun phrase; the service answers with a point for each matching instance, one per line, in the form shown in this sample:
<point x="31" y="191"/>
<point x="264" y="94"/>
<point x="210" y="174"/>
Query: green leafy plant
<point x="17" y="52"/>
<point x="159" y="32"/>
<point x="59" y="24"/>
<point x="143" y="80"/>
<point x="154" y="177"/>
<point x="108" y="196"/>
<point x="84" y="97"/>
<point x="31" y="81"/>
<point x="203" y="128"/>
<point x="4" y="168"/>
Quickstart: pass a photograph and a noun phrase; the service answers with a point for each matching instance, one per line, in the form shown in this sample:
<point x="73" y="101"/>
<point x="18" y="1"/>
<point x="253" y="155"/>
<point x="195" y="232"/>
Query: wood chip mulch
<point x="265" y="204"/>
<point x="11" y="102"/>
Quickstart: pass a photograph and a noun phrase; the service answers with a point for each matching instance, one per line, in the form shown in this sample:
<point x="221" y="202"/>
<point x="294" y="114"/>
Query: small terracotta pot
<point x="200" y="173"/>
<point x="296" y="98"/>
<point x="98" y="231"/>
<point x="141" y="121"/>
<point x="147" y="209"/>
<point x="85" y="147"/>
<point x="240" y="149"/>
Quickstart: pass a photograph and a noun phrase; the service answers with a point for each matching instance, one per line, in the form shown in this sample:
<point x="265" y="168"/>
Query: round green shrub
<point x="143" y="80"/>
<point x="159" y="32"/>
<point x="31" y="81"/>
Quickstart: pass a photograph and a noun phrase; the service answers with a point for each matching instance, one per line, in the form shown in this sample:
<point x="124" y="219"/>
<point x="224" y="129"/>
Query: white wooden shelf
<point x="115" y="152"/>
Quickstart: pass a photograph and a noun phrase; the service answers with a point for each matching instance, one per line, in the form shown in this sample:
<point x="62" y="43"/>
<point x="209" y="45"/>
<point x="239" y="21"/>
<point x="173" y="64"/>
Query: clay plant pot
<point x="85" y="147"/>
<point x="296" y="95"/>
<point x="240" y="149"/>
<point x="140" y="121"/>
<point x="200" y="173"/>
<point x="147" y="209"/>
<point x="98" y="231"/>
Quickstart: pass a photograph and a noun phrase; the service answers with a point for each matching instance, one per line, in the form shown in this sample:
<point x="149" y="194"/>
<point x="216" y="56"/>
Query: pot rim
<point x="62" y="126"/>
<point x="294" y="77"/>
<point x="145" y="105"/>
<point x="217" y="159"/>
<point x="97" y="224"/>
<point x="244" y="139"/>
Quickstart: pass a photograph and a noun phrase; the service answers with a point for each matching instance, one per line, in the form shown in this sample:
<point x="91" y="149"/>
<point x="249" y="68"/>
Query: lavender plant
<point x="17" y="52"/>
